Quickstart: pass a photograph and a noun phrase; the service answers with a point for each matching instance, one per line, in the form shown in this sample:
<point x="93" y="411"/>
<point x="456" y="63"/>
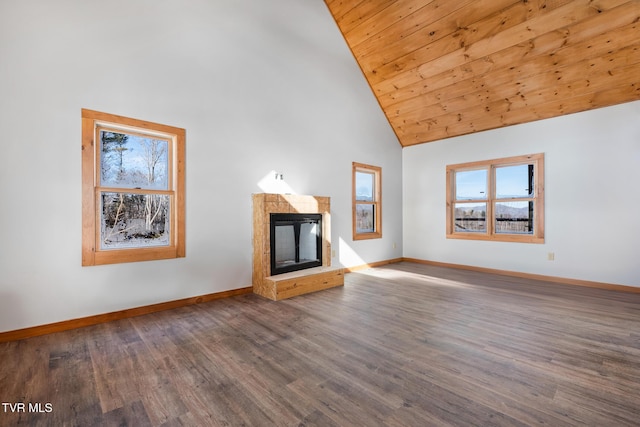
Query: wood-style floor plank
<point x="400" y="345"/>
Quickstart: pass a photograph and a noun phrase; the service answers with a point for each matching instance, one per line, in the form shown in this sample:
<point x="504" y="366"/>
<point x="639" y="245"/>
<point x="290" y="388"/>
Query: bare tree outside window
<point x="131" y="219"/>
<point x="133" y="190"/>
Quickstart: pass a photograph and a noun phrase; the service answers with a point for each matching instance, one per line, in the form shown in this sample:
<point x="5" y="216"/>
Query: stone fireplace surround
<point x="297" y="282"/>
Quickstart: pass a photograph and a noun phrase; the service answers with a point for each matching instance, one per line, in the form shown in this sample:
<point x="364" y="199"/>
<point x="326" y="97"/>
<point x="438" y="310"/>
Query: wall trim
<point x="562" y="280"/>
<point x="65" y="325"/>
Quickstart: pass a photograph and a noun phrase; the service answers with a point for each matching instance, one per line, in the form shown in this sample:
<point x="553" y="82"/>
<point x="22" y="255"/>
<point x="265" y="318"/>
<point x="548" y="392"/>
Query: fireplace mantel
<point x="265" y="204"/>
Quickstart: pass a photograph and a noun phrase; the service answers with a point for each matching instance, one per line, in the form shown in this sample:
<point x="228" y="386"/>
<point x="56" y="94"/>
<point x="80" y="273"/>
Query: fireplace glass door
<point x="296" y="242"/>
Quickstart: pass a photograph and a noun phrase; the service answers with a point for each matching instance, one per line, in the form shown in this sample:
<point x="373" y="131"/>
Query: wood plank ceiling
<point x="442" y="68"/>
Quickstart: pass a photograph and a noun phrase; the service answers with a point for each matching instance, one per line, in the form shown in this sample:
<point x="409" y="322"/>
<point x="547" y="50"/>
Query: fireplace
<point x="296" y="241"/>
<point x="267" y="280"/>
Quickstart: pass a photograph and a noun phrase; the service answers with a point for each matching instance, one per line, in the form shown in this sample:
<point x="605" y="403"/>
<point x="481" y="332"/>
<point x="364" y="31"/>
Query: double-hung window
<point x="367" y="201"/>
<point x="501" y="199"/>
<point x="133" y="190"/>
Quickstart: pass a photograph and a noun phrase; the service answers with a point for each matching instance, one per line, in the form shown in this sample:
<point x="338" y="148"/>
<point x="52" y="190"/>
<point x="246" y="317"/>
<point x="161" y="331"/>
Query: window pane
<point x="285" y="245"/>
<point x="514" y="181"/>
<point x="470" y="217"/>
<point x="130" y="220"/>
<point x="308" y="242"/>
<point x="365" y="186"/>
<point x="471" y="185"/>
<point x="365" y="218"/>
<point x="133" y="161"/>
<point x="514" y="217"/>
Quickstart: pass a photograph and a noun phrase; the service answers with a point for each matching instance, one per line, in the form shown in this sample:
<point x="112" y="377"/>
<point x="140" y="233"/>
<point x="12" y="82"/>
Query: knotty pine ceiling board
<point x="443" y="68"/>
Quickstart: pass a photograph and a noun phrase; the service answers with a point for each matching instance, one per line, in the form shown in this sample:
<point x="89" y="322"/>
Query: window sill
<point x="515" y="238"/>
<point x="365" y="236"/>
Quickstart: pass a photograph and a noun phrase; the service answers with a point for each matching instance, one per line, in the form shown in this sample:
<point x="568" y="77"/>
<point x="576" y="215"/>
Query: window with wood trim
<point x="367" y="201"/>
<point x="133" y="190"/>
<point x="501" y="200"/>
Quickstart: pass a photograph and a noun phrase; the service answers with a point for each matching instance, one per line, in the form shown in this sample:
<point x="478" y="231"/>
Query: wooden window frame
<point x="92" y="254"/>
<point x="537" y="160"/>
<point x="377" y="202"/>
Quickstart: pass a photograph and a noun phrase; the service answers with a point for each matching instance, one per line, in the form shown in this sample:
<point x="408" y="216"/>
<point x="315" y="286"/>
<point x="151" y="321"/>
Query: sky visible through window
<point x="133" y="161"/>
<point x="364" y="186"/>
<point x="471" y="185"/>
<point x="511" y="182"/>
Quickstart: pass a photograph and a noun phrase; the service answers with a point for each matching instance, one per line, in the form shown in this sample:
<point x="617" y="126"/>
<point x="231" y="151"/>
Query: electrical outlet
<point x="551" y="256"/>
<point x="394" y="245"/>
<point x="333" y="253"/>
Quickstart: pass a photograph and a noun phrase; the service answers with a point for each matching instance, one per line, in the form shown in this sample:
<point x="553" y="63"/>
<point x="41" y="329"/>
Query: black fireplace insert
<point x="296" y="242"/>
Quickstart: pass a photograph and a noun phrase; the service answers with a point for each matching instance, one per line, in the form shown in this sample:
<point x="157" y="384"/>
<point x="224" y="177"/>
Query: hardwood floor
<point x="401" y="345"/>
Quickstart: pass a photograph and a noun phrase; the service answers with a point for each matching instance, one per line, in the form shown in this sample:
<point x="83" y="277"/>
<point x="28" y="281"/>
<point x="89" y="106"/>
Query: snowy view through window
<point x="134" y="191"/>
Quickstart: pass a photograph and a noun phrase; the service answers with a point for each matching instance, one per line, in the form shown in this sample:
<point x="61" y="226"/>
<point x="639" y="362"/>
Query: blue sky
<point x="511" y="181"/>
<point x="364" y="185"/>
<point x="135" y="165"/>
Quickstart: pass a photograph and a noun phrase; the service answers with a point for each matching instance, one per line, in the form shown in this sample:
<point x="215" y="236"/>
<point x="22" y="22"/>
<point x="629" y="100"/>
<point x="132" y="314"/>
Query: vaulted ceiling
<point x="442" y="68"/>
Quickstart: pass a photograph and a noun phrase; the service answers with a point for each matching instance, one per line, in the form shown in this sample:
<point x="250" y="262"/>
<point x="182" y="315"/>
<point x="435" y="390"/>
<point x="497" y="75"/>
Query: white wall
<point x="259" y="86"/>
<point x="592" y="173"/>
